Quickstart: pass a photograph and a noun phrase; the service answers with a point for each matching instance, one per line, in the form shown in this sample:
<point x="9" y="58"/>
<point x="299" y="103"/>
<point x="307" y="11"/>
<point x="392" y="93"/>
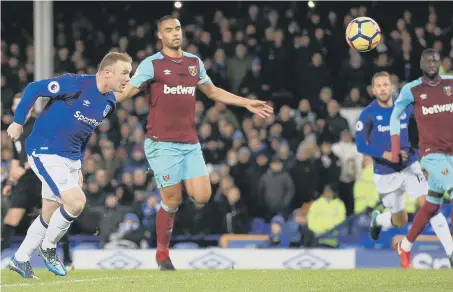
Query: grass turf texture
<point x="234" y="280"/>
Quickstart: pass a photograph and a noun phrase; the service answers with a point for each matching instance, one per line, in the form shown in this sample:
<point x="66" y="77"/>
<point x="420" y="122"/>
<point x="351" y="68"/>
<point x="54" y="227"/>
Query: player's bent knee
<point x="202" y="198"/>
<point x="74" y="200"/>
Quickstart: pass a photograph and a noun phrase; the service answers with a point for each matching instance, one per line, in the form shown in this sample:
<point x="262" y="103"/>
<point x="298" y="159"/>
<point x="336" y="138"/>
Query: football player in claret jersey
<point x="170" y="79"/>
<point x="392" y="180"/>
<point x="432" y="98"/>
<point x="56" y="148"/>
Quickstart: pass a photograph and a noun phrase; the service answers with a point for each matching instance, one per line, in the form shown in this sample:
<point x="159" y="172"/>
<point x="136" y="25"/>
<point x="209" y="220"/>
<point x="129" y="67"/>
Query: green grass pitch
<point x="364" y="280"/>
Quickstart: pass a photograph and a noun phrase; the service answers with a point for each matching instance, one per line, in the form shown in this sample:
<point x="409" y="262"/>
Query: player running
<point x="24" y="187"/>
<point x="392" y="180"/>
<point x="170" y="79"/>
<point x="55" y="149"/>
<point x="432" y="99"/>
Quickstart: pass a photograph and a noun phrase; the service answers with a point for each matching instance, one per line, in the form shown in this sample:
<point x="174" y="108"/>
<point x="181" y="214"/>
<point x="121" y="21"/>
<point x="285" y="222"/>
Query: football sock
<point x="34" y="237"/>
<point x="59" y="223"/>
<point x="7" y="235"/>
<point x="164" y="226"/>
<point x="384" y="220"/>
<point x="440" y="226"/>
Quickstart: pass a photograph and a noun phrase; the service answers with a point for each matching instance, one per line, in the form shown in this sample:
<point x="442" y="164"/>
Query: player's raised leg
<point x="63" y="178"/>
<point x="439" y="178"/>
<point x="196" y="176"/>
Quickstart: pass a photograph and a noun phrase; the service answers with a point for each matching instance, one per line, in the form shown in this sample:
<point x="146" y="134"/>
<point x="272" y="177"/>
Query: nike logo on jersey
<point x="436" y="109"/>
<point x="86" y="120"/>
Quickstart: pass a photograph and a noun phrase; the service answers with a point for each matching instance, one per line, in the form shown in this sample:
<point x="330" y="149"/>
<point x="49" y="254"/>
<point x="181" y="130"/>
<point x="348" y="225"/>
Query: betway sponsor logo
<point x="387" y="128"/>
<point x="187" y="90"/>
<point x="436" y="109"/>
<point x="86" y="120"/>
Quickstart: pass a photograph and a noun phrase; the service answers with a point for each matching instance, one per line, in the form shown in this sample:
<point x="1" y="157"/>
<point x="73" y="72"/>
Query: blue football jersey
<point x="76" y="107"/>
<point x="373" y="137"/>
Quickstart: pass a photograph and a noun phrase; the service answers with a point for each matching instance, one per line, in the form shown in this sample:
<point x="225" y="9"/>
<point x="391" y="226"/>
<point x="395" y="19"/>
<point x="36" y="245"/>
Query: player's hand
<point x="259" y="108"/>
<point x="404" y="155"/>
<point x="17" y="172"/>
<point x="387" y="156"/>
<point x="15" y="130"/>
<point x="80" y="178"/>
<point x="7" y="190"/>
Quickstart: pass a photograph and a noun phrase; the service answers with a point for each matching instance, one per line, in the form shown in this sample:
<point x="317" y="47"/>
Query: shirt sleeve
<point x="51" y="88"/>
<point x="144" y="73"/>
<point x="204" y="78"/>
<point x="404" y="99"/>
<point x="363" y="128"/>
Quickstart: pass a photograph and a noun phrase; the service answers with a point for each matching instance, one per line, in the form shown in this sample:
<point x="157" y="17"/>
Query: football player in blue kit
<point x="56" y="148"/>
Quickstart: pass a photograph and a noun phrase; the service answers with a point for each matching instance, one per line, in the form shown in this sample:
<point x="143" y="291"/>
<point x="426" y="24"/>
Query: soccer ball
<point x="363" y="34"/>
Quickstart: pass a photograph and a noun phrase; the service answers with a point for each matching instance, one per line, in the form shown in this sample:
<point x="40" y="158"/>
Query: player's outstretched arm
<point x="128" y="92"/>
<point x="51" y="88"/>
<point x="215" y="93"/>
<point x="363" y="127"/>
<point x="143" y="74"/>
<point x="404" y="100"/>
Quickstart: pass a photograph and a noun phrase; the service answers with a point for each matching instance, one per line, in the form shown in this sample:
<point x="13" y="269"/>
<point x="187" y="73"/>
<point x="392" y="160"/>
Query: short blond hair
<point x="380" y="74"/>
<point x="113" y="57"/>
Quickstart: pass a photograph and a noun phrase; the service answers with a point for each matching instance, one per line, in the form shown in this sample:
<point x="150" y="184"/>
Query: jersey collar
<point x="176" y="60"/>
<point x="435" y="82"/>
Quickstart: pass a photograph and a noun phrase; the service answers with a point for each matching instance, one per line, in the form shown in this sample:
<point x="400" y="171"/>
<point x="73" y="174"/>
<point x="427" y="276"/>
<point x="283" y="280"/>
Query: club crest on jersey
<point x="447" y="90"/>
<point x="107" y="110"/>
<point x="166" y="177"/>
<point x="193" y="70"/>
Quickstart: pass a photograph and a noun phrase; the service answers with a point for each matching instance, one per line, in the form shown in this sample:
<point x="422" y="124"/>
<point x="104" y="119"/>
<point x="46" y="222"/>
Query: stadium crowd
<point x="300" y="164"/>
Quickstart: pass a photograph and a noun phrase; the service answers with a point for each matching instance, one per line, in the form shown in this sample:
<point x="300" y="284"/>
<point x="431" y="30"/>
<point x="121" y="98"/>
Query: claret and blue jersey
<point x="76" y="107"/>
<point x="373" y="137"/>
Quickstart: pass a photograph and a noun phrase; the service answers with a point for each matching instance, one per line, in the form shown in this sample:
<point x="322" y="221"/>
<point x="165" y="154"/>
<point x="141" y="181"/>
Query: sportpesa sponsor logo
<point x="436" y="109"/>
<point x="387" y="128"/>
<point x="86" y="120"/>
<point x="187" y="90"/>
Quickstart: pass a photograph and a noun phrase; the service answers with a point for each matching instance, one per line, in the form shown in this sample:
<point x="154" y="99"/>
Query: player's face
<point x="119" y="75"/>
<point x="170" y="34"/>
<point x="382" y="88"/>
<point x="430" y="64"/>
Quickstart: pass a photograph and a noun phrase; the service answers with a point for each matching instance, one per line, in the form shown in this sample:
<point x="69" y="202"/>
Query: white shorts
<point x="57" y="174"/>
<point x="392" y="187"/>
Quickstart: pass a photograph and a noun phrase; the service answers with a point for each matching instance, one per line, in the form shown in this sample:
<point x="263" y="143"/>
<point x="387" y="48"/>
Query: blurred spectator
<point x="130" y="234"/>
<point x="305" y="175"/>
<point x="326" y="212"/>
<point x="232" y="213"/>
<point x="301" y="235"/>
<point x="351" y="168"/>
<point x="329" y="167"/>
<point x="335" y="122"/>
<point x="365" y="192"/>
<point x="276" y="189"/>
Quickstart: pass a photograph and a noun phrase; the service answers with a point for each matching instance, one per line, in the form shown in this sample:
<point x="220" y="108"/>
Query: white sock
<point x="406" y="245"/>
<point x="384" y="220"/>
<point x="59" y="223"/>
<point x="440" y="226"/>
<point x="34" y="237"/>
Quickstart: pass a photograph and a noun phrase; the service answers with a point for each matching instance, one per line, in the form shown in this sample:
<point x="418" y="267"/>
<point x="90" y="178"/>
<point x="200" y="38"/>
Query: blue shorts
<point x="174" y="162"/>
<point x="440" y="172"/>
